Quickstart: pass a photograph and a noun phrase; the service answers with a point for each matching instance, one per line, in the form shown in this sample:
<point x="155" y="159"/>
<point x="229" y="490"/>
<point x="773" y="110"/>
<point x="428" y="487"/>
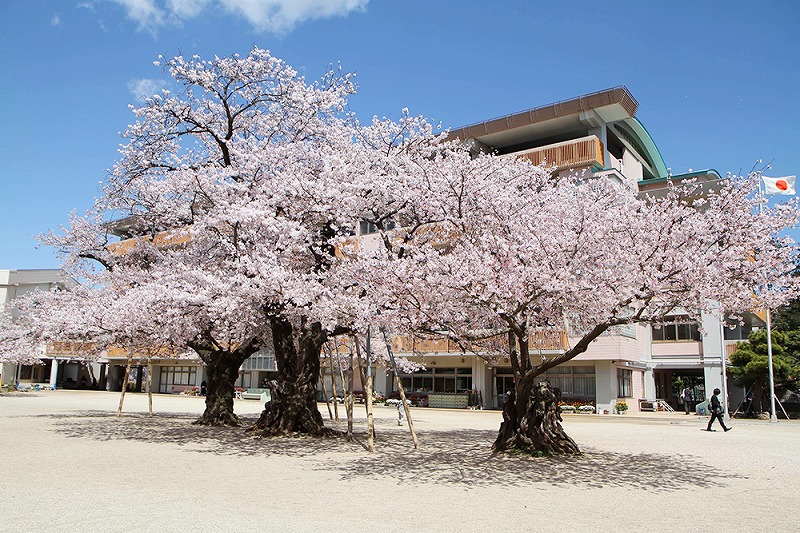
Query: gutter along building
<point x="596" y="135"/>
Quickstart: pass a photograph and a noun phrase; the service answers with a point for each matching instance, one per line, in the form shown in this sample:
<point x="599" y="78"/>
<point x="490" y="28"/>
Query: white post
<point x="724" y="354"/>
<point x="53" y="372"/>
<point x="772" y="416"/>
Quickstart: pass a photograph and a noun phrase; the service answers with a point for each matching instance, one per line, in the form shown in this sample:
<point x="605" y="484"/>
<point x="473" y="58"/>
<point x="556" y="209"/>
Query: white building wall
<point x="606" y="385"/>
<point x="382" y="380"/>
<point x="713" y="350"/>
<point x="611" y="347"/>
<point x="482" y="380"/>
<point x="631" y="167"/>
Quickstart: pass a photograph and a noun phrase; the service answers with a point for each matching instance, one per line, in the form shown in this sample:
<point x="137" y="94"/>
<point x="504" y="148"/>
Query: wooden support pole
<point x="124" y="385"/>
<point x="368" y="393"/>
<point x="333" y="385"/>
<point x="400" y="388"/>
<point x="150" y="385"/>
<point x="325" y="394"/>
<point x="348" y="399"/>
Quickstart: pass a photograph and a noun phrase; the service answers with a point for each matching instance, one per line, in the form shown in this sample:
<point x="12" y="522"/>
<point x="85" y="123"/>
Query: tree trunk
<point x="293" y="406"/>
<point x="222" y="367"/>
<point x="532" y="424"/>
<point x="531" y="415"/>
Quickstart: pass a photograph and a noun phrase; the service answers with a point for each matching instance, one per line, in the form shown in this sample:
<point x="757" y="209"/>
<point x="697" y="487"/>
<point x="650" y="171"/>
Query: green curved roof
<point x="652" y="153"/>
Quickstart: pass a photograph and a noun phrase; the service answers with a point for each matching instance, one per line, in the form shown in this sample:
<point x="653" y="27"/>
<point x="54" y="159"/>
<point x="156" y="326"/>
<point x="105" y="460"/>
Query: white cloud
<point x="145" y="12"/>
<point x="282" y="15"/>
<point x="276" y="16"/>
<point x="142" y="88"/>
<point x="184" y="9"/>
<point x="55" y="21"/>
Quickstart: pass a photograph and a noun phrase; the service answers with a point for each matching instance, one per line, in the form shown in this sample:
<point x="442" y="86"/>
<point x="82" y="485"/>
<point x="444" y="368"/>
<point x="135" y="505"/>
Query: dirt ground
<point x="69" y="464"/>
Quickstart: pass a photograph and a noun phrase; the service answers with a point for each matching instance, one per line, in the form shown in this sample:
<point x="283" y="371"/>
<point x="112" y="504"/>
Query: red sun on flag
<point x="782" y="185"/>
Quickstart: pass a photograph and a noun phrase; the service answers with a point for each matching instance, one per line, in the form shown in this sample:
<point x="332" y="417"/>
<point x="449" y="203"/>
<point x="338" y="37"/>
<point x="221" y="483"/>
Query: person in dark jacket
<point x="716" y="410"/>
<point x="686" y="396"/>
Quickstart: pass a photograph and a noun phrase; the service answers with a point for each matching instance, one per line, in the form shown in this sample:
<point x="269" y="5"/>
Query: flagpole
<point x="723" y="358"/>
<point x="773" y="418"/>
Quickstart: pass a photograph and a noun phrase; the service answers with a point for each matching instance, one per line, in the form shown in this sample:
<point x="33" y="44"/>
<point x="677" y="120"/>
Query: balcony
<point x="583" y="152"/>
<point x="540" y="340"/>
<point x="69" y="348"/>
<point x="162" y="239"/>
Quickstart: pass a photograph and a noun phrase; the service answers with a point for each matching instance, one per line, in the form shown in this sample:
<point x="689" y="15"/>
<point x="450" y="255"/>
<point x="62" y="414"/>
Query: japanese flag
<point x="783" y="185"/>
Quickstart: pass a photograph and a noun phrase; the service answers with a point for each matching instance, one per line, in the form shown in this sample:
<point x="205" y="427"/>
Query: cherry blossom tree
<point x="234" y="194"/>
<point x="205" y="190"/>
<point x="509" y="249"/>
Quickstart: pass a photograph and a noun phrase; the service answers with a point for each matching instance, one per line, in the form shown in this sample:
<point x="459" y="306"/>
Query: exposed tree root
<point x="536" y="429"/>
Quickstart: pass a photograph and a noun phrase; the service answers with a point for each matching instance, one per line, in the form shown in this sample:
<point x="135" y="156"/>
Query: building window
<point x="572" y="381"/>
<point x="437" y="380"/>
<point x="734" y="331"/>
<point x="678" y="328"/>
<point x="365" y="227"/>
<point x="624" y="383"/>
<point x="178" y="375"/>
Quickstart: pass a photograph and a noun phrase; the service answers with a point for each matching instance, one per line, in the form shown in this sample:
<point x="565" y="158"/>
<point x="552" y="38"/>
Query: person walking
<point x="686" y="395"/>
<point x="716" y="410"/>
<point x="401" y="413"/>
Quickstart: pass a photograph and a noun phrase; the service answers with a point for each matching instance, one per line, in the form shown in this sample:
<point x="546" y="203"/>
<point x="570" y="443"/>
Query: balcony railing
<point x="586" y="151"/>
<point x="731" y="348"/>
<point x="162" y="239"/>
<point x="548" y="340"/>
<point x="69" y="348"/>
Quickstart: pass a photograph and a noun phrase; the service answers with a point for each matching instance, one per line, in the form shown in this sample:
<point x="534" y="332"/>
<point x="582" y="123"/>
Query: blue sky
<point x="717" y="81"/>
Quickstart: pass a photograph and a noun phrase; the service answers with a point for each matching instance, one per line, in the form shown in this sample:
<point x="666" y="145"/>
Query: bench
<point x="180" y="389"/>
<point x="648" y="405"/>
<point x="257" y="394"/>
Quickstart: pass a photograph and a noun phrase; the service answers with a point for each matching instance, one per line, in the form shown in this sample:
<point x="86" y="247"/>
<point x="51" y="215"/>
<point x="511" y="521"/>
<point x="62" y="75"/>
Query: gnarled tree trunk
<point x="531" y="416"/>
<point x="222" y="367"/>
<point x="532" y="422"/>
<point x="293" y="405"/>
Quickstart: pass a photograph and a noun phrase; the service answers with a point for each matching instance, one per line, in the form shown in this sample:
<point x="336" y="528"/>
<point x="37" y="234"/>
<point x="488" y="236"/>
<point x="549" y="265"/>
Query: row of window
<point x="681" y="328"/>
<point x="437" y="380"/>
<point x="178" y="375"/>
<point x="573" y="381"/>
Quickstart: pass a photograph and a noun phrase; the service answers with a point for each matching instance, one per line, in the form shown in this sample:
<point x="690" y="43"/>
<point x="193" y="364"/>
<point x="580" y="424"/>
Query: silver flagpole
<point x="727" y="415"/>
<point x="772" y="416"/>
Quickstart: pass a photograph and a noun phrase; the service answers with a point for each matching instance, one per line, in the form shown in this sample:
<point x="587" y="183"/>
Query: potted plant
<point x="567" y="408"/>
<point x="621" y="406"/>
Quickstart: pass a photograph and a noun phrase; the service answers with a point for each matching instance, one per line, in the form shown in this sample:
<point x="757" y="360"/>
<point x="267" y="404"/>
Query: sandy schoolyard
<point x="69" y="464"/>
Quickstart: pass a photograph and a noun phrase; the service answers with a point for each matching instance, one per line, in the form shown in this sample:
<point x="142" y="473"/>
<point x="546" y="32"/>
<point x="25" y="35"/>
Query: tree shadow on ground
<point x="456" y="457"/>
